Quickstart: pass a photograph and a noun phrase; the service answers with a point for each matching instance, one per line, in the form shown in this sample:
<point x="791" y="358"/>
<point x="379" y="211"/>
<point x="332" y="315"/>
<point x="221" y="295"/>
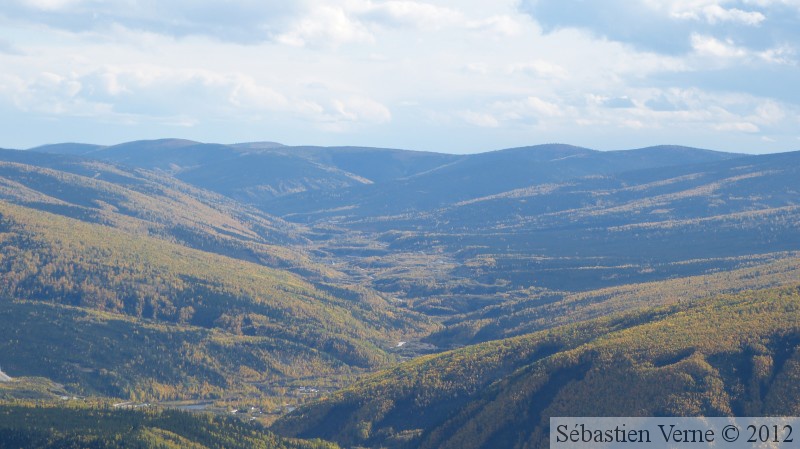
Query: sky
<point x="458" y="76"/>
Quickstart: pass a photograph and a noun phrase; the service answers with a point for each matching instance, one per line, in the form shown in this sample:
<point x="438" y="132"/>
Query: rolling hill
<point x="258" y="172"/>
<point x="314" y="179"/>
<point x="378" y="165"/>
<point x="479" y="175"/>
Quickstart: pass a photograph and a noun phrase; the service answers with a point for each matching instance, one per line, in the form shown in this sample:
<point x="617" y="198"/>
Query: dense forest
<point x="99" y="426"/>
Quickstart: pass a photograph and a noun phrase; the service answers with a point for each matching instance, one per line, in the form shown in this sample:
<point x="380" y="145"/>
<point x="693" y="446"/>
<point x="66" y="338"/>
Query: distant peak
<point x="549" y="150"/>
<point x="266" y="145"/>
<point x="551" y="147"/>
<point x="166" y="143"/>
<point x="67" y="148"/>
<point x="681" y="151"/>
<point x="673" y="148"/>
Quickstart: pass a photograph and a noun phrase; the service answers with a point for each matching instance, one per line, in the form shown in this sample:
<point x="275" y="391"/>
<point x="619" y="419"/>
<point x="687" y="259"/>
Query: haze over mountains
<point x="543" y="200"/>
<point x="452" y="234"/>
<point x="236" y="273"/>
<point x="271" y="170"/>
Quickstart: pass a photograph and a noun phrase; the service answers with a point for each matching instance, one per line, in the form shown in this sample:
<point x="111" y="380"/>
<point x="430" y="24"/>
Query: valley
<point x="391" y="298"/>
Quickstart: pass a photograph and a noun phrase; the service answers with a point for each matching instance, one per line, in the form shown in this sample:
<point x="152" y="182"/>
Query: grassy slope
<point x="734" y="354"/>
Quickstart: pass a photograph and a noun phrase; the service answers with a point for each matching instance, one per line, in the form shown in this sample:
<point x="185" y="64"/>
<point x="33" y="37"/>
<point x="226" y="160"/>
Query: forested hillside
<point x="147" y="203"/>
<point x="730" y="355"/>
<point x="38" y="426"/>
<point x="545" y="309"/>
<point x="112" y="288"/>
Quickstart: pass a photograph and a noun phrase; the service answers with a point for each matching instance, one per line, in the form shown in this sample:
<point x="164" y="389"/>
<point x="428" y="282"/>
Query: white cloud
<point x="360" y="109"/>
<point x="246" y="93"/>
<point x="51" y="5"/>
<point x="711" y="50"/>
<point x="783" y="55"/>
<point x="770" y="3"/>
<point x="710" y="46"/>
<point x="234" y="20"/>
<point x="501" y="25"/>
<point x="711" y="11"/>
<point x="744" y="127"/>
<point x="326" y="25"/>
<point x="541" y="69"/>
<point x="724" y="112"/>
<point x="49" y="93"/>
<point x="527" y="110"/>
<point x="692" y="111"/>
<point x="665" y="26"/>
<point x="408" y="14"/>
<point x="480" y="119"/>
<point x="769" y="113"/>
<point x="541" y="107"/>
<point x="477" y="67"/>
<point x="145" y="93"/>
<point x="716" y="13"/>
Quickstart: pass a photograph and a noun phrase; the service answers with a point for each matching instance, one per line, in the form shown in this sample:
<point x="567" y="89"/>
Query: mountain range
<point x="404" y="298"/>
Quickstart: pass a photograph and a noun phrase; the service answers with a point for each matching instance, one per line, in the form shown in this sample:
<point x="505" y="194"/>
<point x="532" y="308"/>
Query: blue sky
<point x="454" y="76"/>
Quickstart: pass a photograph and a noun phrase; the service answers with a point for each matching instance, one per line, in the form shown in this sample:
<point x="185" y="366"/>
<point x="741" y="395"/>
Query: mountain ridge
<point x="270" y="145"/>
